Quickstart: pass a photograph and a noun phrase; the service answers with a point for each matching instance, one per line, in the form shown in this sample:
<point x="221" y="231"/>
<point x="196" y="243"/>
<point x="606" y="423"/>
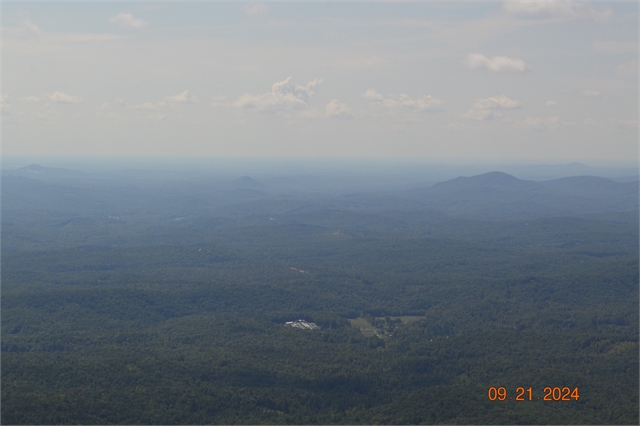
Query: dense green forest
<point x="165" y="302"/>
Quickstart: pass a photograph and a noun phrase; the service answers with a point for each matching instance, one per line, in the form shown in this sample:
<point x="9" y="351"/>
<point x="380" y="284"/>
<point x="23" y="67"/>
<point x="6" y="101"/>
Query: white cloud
<point x="284" y="96"/>
<point x="32" y="28"/>
<point x="590" y="93"/>
<point x="496" y="63"/>
<point x="254" y="9"/>
<point x="372" y="95"/>
<point x="537" y="123"/>
<point x="426" y="103"/>
<point x="118" y="102"/>
<point x="557" y="9"/>
<point x="481" y="114"/>
<point x="63" y="98"/>
<point x="551" y="103"/>
<point x="497" y="102"/>
<point x="337" y="109"/>
<point x="184" y="97"/>
<point x="126" y="20"/>
<point x="615" y="47"/>
<point x="32" y="99"/>
<point x="484" y="109"/>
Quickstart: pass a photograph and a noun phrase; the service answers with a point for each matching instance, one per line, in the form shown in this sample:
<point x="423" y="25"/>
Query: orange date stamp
<point x="527" y="394"/>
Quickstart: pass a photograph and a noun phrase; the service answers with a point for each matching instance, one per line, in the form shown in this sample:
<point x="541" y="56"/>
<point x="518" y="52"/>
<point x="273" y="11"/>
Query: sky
<point x="548" y="82"/>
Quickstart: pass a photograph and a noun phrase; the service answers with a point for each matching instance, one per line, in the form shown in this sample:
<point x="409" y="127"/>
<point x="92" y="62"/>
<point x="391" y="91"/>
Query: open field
<point x="364" y="326"/>
<point x="405" y="319"/>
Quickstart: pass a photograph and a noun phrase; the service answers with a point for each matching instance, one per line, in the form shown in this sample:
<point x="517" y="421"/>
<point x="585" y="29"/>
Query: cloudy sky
<point x="514" y="81"/>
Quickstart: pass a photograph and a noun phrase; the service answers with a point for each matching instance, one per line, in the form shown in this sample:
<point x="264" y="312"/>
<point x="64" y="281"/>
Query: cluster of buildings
<point x="302" y="324"/>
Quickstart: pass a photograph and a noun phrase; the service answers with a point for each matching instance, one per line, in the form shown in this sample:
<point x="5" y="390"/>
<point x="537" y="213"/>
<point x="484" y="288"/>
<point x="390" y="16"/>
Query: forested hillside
<point x="164" y="301"/>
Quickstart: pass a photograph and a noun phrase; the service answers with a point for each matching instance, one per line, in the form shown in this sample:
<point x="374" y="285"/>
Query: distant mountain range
<point x="36" y="171"/>
<point x="493" y="196"/>
<point x="539" y="172"/>
<point x="499" y="195"/>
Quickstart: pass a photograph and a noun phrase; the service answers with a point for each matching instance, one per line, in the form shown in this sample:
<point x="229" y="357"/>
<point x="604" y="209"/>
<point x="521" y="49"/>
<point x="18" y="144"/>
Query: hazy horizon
<point x="424" y="82"/>
<point x="369" y="175"/>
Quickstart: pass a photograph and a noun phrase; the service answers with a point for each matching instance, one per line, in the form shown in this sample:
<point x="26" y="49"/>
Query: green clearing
<point x="408" y="319"/>
<point x="364" y="326"/>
